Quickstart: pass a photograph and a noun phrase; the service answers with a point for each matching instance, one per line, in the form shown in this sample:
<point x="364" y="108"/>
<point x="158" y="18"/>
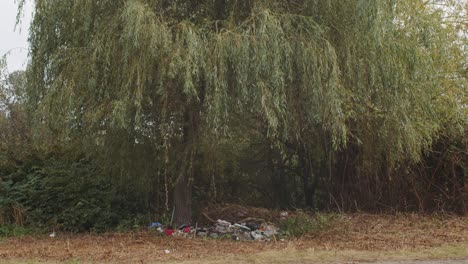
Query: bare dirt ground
<point x="350" y="239"/>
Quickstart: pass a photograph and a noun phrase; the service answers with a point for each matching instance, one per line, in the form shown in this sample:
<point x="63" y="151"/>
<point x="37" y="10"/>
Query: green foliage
<point x="302" y="224"/>
<point x="70" y="196"/>
<point x="7" y="231"/>
<point x="347" y="71"/>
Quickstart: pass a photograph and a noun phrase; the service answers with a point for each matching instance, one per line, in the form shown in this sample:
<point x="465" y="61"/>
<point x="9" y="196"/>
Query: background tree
<point x="338" y="99"/>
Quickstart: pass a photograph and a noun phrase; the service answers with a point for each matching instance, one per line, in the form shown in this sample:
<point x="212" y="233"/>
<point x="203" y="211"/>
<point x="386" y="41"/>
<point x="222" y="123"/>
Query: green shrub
<point x="67" y="195"/>
<point x="16" y="231"/>
<point x="302" y="224"/>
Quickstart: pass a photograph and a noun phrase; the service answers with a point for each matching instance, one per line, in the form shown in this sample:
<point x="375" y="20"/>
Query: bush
<point x="7" y="231"/>
<point x="303" y="224"/>
<point x="72" y="196"/>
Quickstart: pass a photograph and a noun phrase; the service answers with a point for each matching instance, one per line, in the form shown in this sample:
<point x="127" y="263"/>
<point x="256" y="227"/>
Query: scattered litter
<point x="52" y="235"/>
<point x="253" y="226"/>
<point x="269" y="230"/>
<point x="155" y="225"/>
<point x="201" y="232"/>
<point x="183" y="227"/>
<point x="223" y="226"/>
<point x="242" y="227"/>
<point x="167" y="251"/>
<point x="169" y="232"/>
<point x="223" y="223"/>
<point x="186" y="229"/>
<point x="256" y="235"/>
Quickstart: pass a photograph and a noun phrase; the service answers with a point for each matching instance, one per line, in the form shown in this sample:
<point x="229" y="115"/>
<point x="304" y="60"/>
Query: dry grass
<point x="293" y="255"/>
<point x="351" y="237"/>
<point x="394" y="232"/>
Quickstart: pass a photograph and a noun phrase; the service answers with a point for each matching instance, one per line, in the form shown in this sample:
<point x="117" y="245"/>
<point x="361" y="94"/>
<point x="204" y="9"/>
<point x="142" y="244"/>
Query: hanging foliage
<point x="349" y="88"/>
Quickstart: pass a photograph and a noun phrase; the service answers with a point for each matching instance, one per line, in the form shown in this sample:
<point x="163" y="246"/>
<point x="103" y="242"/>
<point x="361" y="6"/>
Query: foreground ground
<point x="350" y="239"/>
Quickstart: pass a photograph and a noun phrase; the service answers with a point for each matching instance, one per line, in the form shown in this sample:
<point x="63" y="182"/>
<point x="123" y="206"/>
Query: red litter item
<point x="169" y="232"/>
<point x="186" y="230"/>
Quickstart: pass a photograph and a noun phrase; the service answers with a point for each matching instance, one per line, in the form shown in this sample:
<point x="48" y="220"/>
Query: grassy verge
<point x="292" y="255"/>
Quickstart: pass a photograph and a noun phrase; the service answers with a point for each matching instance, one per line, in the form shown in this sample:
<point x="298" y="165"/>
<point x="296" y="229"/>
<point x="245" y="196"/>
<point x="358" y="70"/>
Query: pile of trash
<point x="252" y="230"/>
<point x="245" y="229"/>
<point x="248" y="231"/>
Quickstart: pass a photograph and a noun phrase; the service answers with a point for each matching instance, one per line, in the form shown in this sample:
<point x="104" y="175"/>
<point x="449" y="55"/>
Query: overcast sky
<point x="14" y="41"/>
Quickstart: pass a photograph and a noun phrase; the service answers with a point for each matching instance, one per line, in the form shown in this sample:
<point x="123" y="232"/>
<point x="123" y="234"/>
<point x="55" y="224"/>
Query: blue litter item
<point x="155" y="224"/>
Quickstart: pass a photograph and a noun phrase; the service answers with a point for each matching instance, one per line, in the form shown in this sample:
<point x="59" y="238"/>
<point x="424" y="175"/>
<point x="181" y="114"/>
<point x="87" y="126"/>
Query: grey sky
<point x="11" y="40"/>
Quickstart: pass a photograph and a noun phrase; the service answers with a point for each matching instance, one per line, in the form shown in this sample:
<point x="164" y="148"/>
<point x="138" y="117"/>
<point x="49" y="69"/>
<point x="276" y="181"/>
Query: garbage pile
<point x="246" y="229"/>
<point x="252" y="230"/>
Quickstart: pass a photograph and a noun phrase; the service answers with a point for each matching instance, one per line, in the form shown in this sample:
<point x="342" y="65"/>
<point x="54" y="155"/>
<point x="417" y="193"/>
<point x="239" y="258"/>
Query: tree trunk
<point x="183" y="196"/>
<point x="184" y="184"/>
<point x="308" y="181"/>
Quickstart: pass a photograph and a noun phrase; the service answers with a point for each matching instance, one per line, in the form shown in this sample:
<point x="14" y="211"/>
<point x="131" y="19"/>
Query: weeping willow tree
<point x="406" y="78"/>
<point x="148" y="80"/>
<point x="403" y="73"/>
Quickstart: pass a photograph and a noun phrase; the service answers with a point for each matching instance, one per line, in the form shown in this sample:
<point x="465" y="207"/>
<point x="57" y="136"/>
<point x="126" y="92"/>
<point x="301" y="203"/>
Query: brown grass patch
<point x="393" y="232"/>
